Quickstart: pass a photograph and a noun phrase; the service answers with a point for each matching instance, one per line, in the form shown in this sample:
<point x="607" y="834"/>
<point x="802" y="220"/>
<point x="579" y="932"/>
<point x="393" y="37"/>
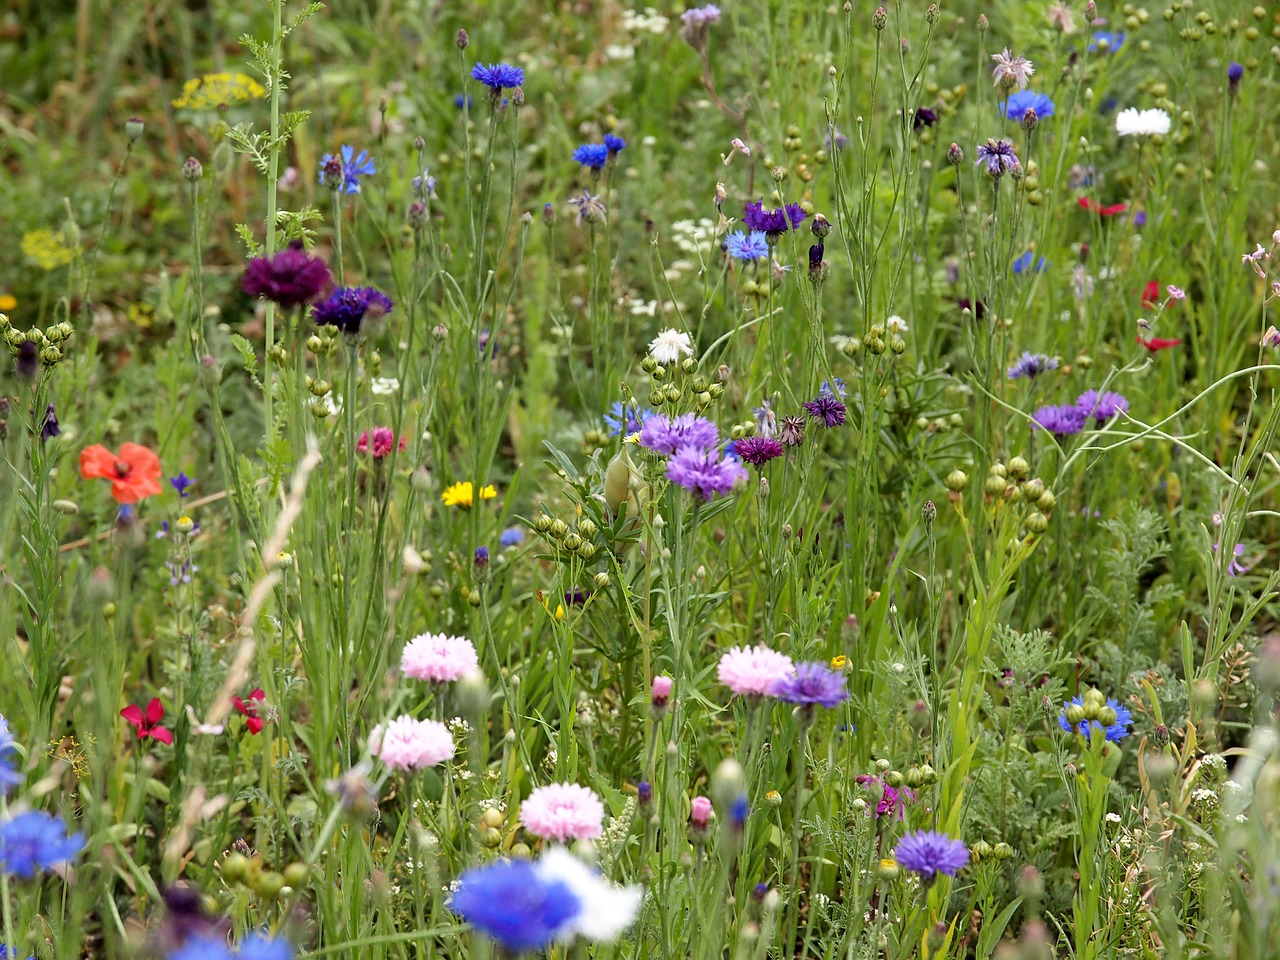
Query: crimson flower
<point x="1160" y="343"/>
<point x="1093" y="206"/>
<point x="148" y="724"/>
<point x="249" y="709"/>
<point x="1151" y="295"/>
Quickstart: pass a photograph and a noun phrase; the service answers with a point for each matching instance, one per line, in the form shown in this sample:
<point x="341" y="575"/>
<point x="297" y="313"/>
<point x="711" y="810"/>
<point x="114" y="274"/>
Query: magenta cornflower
<point x="929" y="854"/>
<point x="666" y="436"/>
<point x="758" y="451"/>
<point x="827" y="408"/>
<point x="291" y="278"/>
<point x="812" y="684"/>
<point x="380" y="442"/>
<point x="564" y="812"/>
<point x="438" y="657"/>
<point x="409" y="744"/>
<point x="752" y="671"/>
<point x="703" y="472"/>
<point x="700" y="812"/>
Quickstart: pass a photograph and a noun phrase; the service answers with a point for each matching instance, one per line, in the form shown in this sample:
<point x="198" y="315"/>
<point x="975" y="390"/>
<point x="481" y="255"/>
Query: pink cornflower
<point x="1010" y="71"/>
<point x="381" y="442"/>
<point x="700" y="812"/>
<point x="409" y="744"/>
<point x="437" y="657"/>
<point x="563" y="811"/>
<point x="661" y="690"/>
<point x="752" y="671"/>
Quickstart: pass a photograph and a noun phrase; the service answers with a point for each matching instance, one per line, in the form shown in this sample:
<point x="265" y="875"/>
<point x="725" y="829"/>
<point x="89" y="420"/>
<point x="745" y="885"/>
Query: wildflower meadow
<point x="756" y="481"/>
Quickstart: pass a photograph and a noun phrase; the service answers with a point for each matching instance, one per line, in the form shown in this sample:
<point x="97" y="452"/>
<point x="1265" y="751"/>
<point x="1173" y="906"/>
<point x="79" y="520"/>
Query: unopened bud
<point x="133" y="128"/>
<point x="192" y="169"/>
<point x="462" y="40"/>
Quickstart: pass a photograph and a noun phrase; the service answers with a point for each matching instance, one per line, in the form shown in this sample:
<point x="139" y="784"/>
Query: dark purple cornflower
<point x="813" y="684"/>
<point x="592" y="155"/>
<point x="26" y="361"/>
<point x="703" y="471"/>
<point x="481" y="561"/>
<point x="666" y="436"/>
<point x="180" y="483"/>
<point x="998" y="156"/>
<point x="1062" y="421"/>
<point x="1234" y="74"/>
<point x="773" y="223"/>
<point x="291" y="278"/>
<point x="347" y="307"/>
<point x="49" y="425"/>
<point x="1101" y="406"/>
<point x="827" y="408"/>
<point x="644" y="792"/>
<point x="923" y="117"/>
<point x="615" y="145"/>
<point x="791" y="431"/>
<point x="978" y="309"/>
<point x="1031" y="365"/>
<point x="815" y="256"/>
<point x="928" y="854"/>
<point x="758" y="451"/>
<point x="497" y="77"/>
<point x="577" y="597"/>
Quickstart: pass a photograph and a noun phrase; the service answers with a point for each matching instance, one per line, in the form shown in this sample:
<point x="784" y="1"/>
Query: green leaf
<point x="994" y="929"/>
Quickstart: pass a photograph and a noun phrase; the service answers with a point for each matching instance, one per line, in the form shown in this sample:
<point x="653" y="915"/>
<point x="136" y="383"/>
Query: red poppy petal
<point x="1088" y="203"/>
<point x="240" y="706"/>
<point x="163" y="735"/>
<point x="257" y="694"/>
<point x="97" y="462"/>
<point x="254" y="725"/>
<point x="1112" y="210"/>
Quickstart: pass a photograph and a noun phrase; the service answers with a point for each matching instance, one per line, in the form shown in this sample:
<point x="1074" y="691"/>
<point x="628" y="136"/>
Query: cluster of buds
<point x="243" y="867"/>
<point x="921" y="776"/>
<point x="984" y="851"/>
<point x="569" y="543"/>
<point x="1010" y="483"/>
<point x="672" y="385"/>
<point x="940" y="424"/>
<point x="876" y="342"/>
<point x="324" y="341"/>
<point x="35" y="346"/>
<point x="1093" y="709"/>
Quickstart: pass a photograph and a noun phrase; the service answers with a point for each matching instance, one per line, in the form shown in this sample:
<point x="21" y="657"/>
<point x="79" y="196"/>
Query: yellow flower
<point x="632" y="437"/>
<point x="142" y="314"/>
<point x="215" y="90"/>
<point x="839" y="662"/>
<point x="463" y="494"/>
<point x="559" y="614"/>
<point x="47" y="249"/>
<point x="8" y="302"/>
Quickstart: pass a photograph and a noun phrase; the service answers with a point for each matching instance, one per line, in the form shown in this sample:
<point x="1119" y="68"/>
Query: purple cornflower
<point x="812" y="684"/>
<point x="665" y="436"/>
<point x="354" y="166"/>
<point x="773" y="223"/>
<point x="998" y="156"/>
<point x="1062" y="421"/>
<point x="758" y="451"/>
<point x="1101" y="406"/>
<point x="1031" y="365"/>
<point x="791" y="431"/>
<point x="747" y="247"/>
<point x="928" y="854"/>
<point x="180" y="483"/>
<point x="33" y="841"/>
<point x="49" y="425"/>
<point x="592" y="155"/>
<point x="923" y="117"/>
<point x="1234" y="74"/>
<point x="701" y="15"/>
<point x="614" y="144"/>
<point x="1115" y="732"/>
<point x="291" y="278"/>
<point x="347" y="307"/>
<point x="1235" y="568"/>
<point x="703" y="471"/>
<point x="827" y="408"/>
<point x="498" y="76"/>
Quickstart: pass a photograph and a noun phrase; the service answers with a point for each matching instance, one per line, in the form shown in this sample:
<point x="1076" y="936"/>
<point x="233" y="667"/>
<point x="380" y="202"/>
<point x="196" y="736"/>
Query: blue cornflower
<point x="347" y="307"/>
<point x="592" y="155"/>
<point x="511" y="537"/>
<point x="1115" y="732"/>
<point x="35" y="840"/>
<point x="1024" y="100"/>
<point x="839" y="391"/>
<point x="1031" y="365"/>
<point x="738" y="811"/>
<point x="258" y="946"/>
<point x="208" y="947"/>
<point x="424" y="186"/>
<point x="1024" y="263"/>
<point x="615" y="145"/>
<point x="748" y="247"/>
<point x="512" y="903"/>
<point x="180" y="483"/>
<point x="1106" y="41"/>
<point x="812" y="683"/>
<point x="1061" y="421"/>
<point x="9" y="775"/>
<point x="1235" y="72"/>
<point x="622" y="420"/>
<point x="6" y="951"/>
<point x="928" y="854"/>
<point x="498" y="76"/>
<point x="766" y="418"/>
<point x="354" y="166"/>
<point x="463" y="100"/>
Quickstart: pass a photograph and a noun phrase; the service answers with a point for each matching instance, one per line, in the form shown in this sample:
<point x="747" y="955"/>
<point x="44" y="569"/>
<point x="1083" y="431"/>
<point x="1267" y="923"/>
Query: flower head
<point x="354" y="166"/>
<point x="510" y="902"/>
<point x="1114" y="732"/>
<point x="703" y="472"/>
<point x="1142" y="123"/>
<point x="1016" y="107"/>
<point x="1026" y="262"/>
<point x="752" y="671"/>
<point x="758" y="451"/>
<point x="563" y="812"/>
<point x="438" y="657"/>
<point x="1101" y="406"/>
<point x="669" y="345"/>
<point x="134" y="474"/>
<point x="590" y="209"/>
<point x="827" y="408"/>
<point x="606" y="910"/>
<point x="623" y="420"/>
<point x="10" y="776"/>
<point x="498" y="76"/>
<point x="687" y="431"/>
<point x="614" y="144"/>
<point x="999" y="158"/>
<point x="148" y="724"/>
<point x="1235" y="72"/>
<point x="462" y="494"/>
<point x="347" y="307"/>
<point x="747" y="247"/>
<point x="379" y="443"/>
<point x="291" y="278"/>
<point x="511" y="537"/>
<point x="33" y="841"/>
<point x="592" y="155"/>
<point x="928" y="854"/>
<point x="773" y="223"/>
<point x="1011" y="71"/>
<point x="181" y="483"/>
<point x="249" y="709"/>
<point x="810" y="684"/>
<point x="1031" y="365"/>
<point x="1062" y="421"/>
<point x="791" y="431"/>
<point x="409" y="744"/>
<point x="701" y="15"/>
<point x="922" y="117"/>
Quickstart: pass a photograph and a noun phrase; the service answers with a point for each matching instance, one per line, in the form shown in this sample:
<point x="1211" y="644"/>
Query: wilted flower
<point x="1010" y="71"/>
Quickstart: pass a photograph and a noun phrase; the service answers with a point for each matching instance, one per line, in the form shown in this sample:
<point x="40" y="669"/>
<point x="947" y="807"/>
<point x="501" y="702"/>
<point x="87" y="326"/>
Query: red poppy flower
<point x="1159" y="343"/>
<point x="249" y="709"/>
<point x="1151" y="295"/>
<point x="1093" y="206"/>
<point x="148" y="724"/>
<point x="134" y="474"/>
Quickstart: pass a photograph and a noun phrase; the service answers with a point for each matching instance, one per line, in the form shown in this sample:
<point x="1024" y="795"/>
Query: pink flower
<point x="434" y="656"/>
<point x="563" y="811"/>
<point x="409" y="744"/>
<point x="753" y="670"/>
<point x="383" y="440"/>
<point x="701" y="812"/>
<point x="661" y="690"/>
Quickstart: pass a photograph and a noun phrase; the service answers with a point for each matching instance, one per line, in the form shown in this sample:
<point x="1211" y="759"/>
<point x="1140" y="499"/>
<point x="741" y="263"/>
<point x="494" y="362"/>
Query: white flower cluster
<point x="650" y="21"/>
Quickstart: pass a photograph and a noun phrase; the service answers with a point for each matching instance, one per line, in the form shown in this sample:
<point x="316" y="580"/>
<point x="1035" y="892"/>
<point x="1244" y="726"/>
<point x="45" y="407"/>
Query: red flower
<point x="148" y="724"/>
<point x="134" y="475"/>
<point x="249" y="708"/>
<point x="1159" y="343"/>
<point x="1151" y="295"/>
<point x="1093" y="206"/>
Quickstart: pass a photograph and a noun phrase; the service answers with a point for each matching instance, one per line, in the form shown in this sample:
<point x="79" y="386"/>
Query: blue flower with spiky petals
<point x="747" y="247"/>
<point x="354" y="166"/>
<point x="592" y="155"/>
<point x="35" y="840"/>
<point x="498" y="76"/>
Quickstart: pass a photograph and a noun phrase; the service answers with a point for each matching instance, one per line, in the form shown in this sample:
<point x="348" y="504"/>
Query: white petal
<point x="606" y="910"/>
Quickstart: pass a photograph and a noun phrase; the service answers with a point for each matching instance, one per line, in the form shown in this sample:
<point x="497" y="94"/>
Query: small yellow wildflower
<point x="839" y="662"/>
<point x="141" y="314"/>
<point x="8" y="302"/>
<point x="215" y="90"/>
<point x="463" y="494"/>
<point x="47" y="249"/>
<point x="559" y="614"/>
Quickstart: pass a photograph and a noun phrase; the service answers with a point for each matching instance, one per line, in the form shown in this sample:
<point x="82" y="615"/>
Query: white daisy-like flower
<point x="668" y="346"/>
<point x="1142" y="123"/>
<point x="606" y="910"/>
<point x="384" y="386"/>
<point x="896" y="324"/>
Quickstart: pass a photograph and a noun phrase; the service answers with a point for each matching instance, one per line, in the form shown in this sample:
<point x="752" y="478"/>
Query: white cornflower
<point x="1142" y="123"/>
<point x="668" y="346"/>
<point x="606" y="910"/>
